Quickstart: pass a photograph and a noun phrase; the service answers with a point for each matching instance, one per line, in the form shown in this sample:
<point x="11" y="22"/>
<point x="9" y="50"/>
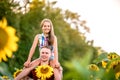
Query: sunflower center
<point x="44" y="70"/>
<point x="3" y="38"/>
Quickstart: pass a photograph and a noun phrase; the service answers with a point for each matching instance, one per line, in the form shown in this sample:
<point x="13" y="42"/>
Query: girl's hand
<point x="57" y="64"/>
<point x="54" y="64"/>
<point x="26" y="64"/>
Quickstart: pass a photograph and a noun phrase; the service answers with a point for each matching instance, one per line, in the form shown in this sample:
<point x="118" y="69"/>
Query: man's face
<point x="45" y="54"/>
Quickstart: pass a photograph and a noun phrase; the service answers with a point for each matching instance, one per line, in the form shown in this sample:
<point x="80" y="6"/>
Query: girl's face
<point x="46" y="27"/>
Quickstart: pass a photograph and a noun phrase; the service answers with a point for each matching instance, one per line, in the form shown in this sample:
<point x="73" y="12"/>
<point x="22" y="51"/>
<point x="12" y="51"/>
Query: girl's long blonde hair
<point x="51" y="33"/>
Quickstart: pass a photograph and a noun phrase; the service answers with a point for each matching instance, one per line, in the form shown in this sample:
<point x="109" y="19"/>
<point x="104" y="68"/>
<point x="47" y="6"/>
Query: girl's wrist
<point x="28" y="60"/>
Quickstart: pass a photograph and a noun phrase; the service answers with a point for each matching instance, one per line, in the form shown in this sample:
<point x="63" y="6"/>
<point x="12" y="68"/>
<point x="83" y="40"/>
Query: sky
<point x="103" y="19"/>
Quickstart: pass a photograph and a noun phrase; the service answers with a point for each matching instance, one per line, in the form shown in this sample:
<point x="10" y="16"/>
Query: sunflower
<point x="93" y="67"/>
<point x="5" y="78"/>
<point x="104" y="63"/>
<point x="44" y="71"/>
<point x="7" y="40"/>
<point x="112" y="55"/>
<point x="117" y="75"/>
<point x="17" y="72"/>
<point x="115" y="65"/>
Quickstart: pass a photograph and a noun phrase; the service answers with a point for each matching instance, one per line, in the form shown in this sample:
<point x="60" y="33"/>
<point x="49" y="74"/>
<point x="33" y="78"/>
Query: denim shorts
<point x="52" y="56"/>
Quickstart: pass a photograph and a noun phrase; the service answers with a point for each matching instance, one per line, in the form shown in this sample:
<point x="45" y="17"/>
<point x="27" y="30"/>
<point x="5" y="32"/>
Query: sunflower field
<point x="80" y="59"/>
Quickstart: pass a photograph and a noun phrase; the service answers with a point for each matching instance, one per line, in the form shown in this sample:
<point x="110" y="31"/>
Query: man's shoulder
<point x="36" y="60"/>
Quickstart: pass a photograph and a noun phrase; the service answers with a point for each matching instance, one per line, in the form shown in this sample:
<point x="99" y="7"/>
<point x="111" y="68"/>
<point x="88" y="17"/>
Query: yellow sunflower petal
<point x="8" y="53"/>
<point x="11" y="31"/>
<point x="8" y="40"/>
<point x="117" y="75"/>
<point x="104" y="63"/>
<point x="12" y="39"/>
<point x="4" y="22"/>
<point x="17" y="72"/>
<point x="12" y="47"/>
<point x="1" y="23"/>
<point x="3" y="56"/>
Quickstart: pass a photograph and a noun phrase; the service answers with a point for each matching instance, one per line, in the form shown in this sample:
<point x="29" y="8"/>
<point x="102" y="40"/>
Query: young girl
<point x="46" y="38"/>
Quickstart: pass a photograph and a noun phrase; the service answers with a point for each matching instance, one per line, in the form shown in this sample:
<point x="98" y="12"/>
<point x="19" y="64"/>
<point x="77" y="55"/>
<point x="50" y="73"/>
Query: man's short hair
<point x="48" y="47"/>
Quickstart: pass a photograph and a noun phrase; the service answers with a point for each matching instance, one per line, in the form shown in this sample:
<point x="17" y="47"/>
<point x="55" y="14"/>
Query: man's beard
<point x="44" y="60"/>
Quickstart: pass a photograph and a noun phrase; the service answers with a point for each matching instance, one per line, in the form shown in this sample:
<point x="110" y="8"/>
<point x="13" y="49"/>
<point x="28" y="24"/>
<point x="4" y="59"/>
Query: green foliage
<point x="4" y="70"/>
<point x="5" y="8"/>
<point x="100" y="58"/>
<point x="77" y="68"/>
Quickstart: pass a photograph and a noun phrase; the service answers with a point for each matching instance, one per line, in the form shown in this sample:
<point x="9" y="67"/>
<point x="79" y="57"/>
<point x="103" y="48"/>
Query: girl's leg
<point x="61" y="72"/>
<point x="58" y="73"/>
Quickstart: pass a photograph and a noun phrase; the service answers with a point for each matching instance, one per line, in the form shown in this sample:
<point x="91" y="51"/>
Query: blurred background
<point x="79" y="57"/>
